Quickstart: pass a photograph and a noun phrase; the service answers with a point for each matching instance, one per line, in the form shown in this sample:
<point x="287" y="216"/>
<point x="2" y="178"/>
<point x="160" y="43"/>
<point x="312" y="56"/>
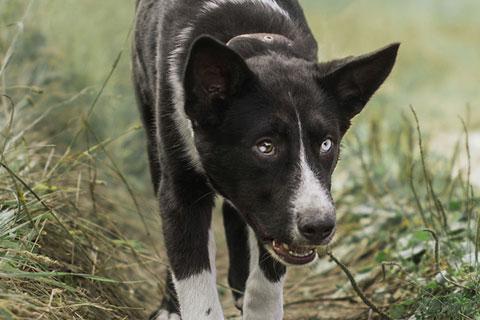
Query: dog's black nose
<point x="317" y="231"/>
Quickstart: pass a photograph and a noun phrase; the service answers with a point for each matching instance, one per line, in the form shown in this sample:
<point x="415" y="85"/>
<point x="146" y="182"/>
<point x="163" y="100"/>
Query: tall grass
<point x="424" y="219"/>
<point x="67" y="211"/>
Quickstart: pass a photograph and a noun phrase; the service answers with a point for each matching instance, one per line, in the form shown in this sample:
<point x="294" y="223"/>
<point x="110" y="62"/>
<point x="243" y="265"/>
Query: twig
<point x="469" y="190"/>
<point x="408" y="278"/>
<point x="465" y="316"/>
<point x="357" y="289"/>
<point x="415" y="195"/>
<point x="477" y="240"/>
<point x="314" y="300"/>
<point x="366" y="170"/>
<point x="456" y="284"/>
<point x="8" y="130"/>
<point x="436" y="202"/>
<point x="391" y="263"/>
<point x="437" y="248"/>
<point x="451" y="167"/>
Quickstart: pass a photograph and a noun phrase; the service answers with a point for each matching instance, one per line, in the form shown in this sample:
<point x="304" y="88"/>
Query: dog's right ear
<point x="352" y="81"/>
<point x="214" y="73"/>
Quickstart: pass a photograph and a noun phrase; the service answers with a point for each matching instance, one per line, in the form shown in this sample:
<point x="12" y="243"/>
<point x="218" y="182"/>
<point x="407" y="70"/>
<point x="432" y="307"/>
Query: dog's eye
<point x="326" y="146"/>
<point x="266" y="147"/>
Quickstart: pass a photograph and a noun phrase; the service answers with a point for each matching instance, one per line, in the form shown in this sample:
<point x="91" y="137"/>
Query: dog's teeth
<point x="295" y="254"/>
<point x="300" y="254"/>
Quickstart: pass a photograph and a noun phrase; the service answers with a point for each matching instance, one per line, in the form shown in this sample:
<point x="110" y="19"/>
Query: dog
<point x="235" y="104"/>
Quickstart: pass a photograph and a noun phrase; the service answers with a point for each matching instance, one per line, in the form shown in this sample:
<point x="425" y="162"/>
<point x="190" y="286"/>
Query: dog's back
<point x="171" y="24"/>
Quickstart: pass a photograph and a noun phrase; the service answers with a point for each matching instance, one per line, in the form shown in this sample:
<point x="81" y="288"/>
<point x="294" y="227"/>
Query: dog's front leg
<point x="191" y="250"/>
<point x="264" y="291"/>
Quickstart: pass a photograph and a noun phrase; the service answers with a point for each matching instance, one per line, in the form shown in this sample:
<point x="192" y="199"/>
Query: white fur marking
<point x="271" y="4"/>
<point x="165" y="315"/>
<point x="196" y="295"/>
<point x="184" y="124"/>
<point x="263" y="299"/>
<point x="311" y="194"/>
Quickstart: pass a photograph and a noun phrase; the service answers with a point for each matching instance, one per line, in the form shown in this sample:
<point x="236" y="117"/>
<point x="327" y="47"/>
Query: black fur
<point x="235" y="95"/>
<point x="238" y="251"/>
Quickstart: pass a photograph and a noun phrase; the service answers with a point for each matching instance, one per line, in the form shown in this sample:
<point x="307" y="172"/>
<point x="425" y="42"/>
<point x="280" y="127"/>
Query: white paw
<point x="165" y="315"/>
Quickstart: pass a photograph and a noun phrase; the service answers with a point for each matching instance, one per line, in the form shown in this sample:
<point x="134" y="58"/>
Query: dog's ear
<point x="352" y="81"/>
<point x="214" y="73"/>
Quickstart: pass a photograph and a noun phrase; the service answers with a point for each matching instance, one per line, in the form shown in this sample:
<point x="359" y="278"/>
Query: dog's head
<point x="268" y="131"/>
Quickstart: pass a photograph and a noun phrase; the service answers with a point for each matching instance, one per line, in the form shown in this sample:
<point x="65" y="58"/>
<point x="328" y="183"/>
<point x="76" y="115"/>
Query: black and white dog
<point x="235" y="104"/>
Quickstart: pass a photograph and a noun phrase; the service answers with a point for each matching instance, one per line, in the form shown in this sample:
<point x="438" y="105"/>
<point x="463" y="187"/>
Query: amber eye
<point x="266" y="147"/>
<point x="326" y="146"/>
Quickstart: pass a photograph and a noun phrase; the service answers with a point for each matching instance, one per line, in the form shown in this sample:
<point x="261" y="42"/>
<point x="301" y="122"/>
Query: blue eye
<point x="326" y="146"/>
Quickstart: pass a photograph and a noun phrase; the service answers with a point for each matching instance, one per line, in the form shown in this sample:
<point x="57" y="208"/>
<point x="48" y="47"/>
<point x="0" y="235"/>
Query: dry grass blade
<point x="357" y="289"/>
<point x="433" y="196"/>
<point x="469" y="205"/>
<point x="437" y="248"/>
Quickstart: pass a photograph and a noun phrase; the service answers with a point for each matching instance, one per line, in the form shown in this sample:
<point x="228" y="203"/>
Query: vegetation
<point x="80" y="235"/>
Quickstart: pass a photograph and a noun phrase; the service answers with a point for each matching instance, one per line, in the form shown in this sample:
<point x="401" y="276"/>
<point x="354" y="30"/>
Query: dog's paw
<point x="164" y="315"/>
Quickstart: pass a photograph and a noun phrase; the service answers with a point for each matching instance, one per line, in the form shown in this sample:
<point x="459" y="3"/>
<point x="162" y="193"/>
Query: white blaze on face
<point x="310" y="195"/>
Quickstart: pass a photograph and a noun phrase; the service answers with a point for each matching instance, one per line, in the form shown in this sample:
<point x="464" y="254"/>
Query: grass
<point x="62" y="251"/>
<point x="79" y="228"/>
<point x="428" y="247"/>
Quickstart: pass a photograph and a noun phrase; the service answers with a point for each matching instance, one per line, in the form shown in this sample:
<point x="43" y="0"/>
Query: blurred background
<point x="71" y="135"/>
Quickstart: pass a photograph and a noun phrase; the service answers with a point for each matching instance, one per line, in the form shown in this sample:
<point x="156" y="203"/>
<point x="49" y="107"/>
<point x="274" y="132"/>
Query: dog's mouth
<point x="296" y="255"/>
<point x="293" y="255"/>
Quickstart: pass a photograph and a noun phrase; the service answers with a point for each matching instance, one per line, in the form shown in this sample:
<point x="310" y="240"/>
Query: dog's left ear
<point x="352" y="81"/>
<point x="214" y="73"/>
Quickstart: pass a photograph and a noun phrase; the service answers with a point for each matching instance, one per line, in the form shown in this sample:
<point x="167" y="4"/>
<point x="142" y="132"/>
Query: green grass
<point x="417" y="204"/>
<point x="79" y="228"/>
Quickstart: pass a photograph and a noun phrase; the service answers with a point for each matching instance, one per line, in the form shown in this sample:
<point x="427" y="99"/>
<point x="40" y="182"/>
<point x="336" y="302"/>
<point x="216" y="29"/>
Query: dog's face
<point x="268" y="132"/>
